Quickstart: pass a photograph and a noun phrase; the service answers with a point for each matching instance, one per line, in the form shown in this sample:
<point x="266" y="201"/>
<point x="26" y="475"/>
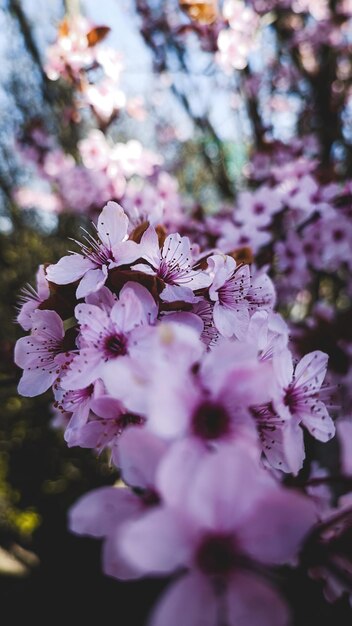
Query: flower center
<point x="149" y="496"/>
<point x="115" y="345"/>
<point x="259" y="208"/>
<point x="211" y="421"/>
<point x="338" y="235"/>
<point x="217" y="555"/>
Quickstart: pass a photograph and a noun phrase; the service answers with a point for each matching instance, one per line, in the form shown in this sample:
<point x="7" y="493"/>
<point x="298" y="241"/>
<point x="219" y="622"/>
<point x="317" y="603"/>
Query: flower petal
<point x="112" y="225"/>
<point x="318" y="421"/>
<point x="69" y="269"/>
<point x="251" y="602"/>
<point x="157" y="543"/>
<point x="150" y="250"/>
<point x="125" y="253"/>
<point x="92" y="281"/>
<point x="35" y="381"/>
<point x="184" y="603"/>
<point x="102" y="510"/>
<point x="139" y="453"/>
<point x="231" y="322"/>
<point x="283" y="367"/>
<point x="310" y="371"/>
<point x="273" y="532"/>
<point x="176" y="293"/>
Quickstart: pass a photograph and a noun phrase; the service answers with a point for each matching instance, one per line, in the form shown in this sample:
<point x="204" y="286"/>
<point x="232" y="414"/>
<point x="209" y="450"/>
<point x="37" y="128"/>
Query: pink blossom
<point x="281" y="438"/>
<point x="204" y="310"/>
<point x="238" y="236"/>
<point x="289" y="171"/>
<point x="75" y="404"/>
<point x="109" y="250"/>
<point x="142" y="203"/>
<point x="71" y="52"/>
<point x="111" y="61"/>
<point x="82" y="189"/>
<point x="168" y="192"/>
<point x="95" y="419"/>
<point x="107" y="335"/>
<point x="173" y="264"/>
<point x="42" y="354"/>
<point x="135" y="107"/>
<point x="94" y="150"/>
<point x="103" y="429"/>
<point x="301" y="196"/>
<point x="258" y="207"/>
<point x="155" y="203"/>
<point x="215" y="533"/>
<point x="292" y="261"/>
<point x="211" y="405"/>
<point x="101" y="514"/>
<point x="135" y="159"/>
<point x="200" y="318"/>
<point x="234" y="296"/>
<point x="229" y="289"/>
<point x="302" y="395"/>
<point x="55" y="163"/>
<point x="336" y="242"/>
<point x="268" y="332"/>
<point x="236" y="42"/>
<point x="28" y="198"/>
<point x="143" y="385"/>
<point x="261" y="294"/>
<point x="105" y="98"/>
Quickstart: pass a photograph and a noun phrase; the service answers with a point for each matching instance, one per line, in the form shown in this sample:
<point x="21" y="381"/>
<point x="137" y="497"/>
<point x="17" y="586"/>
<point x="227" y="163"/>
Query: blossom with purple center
<point x="42" y="355"/>
<point x="110" y="249"/>
<point x="229" y="288"/>
<point x="181" y="397"/>
<point x="235" y="297"/>
<point x="95" y="420"/>
<point x="107" y="335"/>
<point x="222" y="537"/>
<point x="234" y="236"/>
<point x="174" y="264"/>
<point x="103" y="431"/>
<point x="301" y="393"/>
<point x="158" y="381"/>
<point x="281" y="438"/>
<point x="258" y="207"/>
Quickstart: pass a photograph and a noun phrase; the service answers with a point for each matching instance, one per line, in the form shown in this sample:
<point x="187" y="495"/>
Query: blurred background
<point x="197" y="125"/>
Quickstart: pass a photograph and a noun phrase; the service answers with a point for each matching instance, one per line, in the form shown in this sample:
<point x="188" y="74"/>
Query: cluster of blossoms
<point x="300" y="227"/>
<point x="313" y="217"/>
<point x="233" y="32"/>
<point x="308" y="24"/>
<point x="100" y="169"/>
<point x="125" y="171"/>
<point x="238" y="38"/>
<point x="171" y="359"/>
<point x="94" y="70"/>
<point x="160" y="338"/>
